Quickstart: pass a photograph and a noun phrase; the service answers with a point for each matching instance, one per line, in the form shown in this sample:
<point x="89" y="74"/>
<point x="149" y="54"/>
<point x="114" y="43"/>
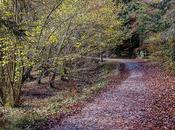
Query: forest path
<point x="118" y="108"/>
<point x="122" y="107"/>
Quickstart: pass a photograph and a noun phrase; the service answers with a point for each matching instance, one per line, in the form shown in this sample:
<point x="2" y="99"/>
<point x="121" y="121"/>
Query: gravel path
<point x="122" y="107"/>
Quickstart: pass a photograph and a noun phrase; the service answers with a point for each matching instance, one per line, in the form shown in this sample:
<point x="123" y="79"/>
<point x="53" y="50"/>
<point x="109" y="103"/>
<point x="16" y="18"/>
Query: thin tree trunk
<point x="52" y="81"/>
<point x="27" y="74"/>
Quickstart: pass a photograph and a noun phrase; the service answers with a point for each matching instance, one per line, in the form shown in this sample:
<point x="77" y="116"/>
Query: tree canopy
<point x="44" y="35"/>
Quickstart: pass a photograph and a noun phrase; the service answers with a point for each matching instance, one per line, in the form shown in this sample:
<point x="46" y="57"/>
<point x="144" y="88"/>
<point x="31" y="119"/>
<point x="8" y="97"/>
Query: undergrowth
<point x="24" y="118"/>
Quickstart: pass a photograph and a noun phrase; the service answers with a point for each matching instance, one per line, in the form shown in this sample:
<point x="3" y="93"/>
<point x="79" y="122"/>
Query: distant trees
<point x="163" y="43"/>
<point x="155" y="25"/>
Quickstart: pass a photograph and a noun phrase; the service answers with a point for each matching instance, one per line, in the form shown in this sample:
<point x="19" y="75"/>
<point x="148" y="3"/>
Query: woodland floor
<point x="143" y="101"/>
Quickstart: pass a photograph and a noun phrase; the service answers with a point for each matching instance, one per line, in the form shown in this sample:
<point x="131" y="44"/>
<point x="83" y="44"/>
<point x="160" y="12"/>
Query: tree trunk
<point x="42" y="74"/>
<point x="101" y="58"/>
<point x="27" y="74"/>
<point x="52" y="80"/>
<point x="8" y="98"/>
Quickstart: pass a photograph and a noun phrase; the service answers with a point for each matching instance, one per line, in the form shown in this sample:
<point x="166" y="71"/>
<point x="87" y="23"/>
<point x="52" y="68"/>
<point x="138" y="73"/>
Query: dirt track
<point x="132" y="105"/>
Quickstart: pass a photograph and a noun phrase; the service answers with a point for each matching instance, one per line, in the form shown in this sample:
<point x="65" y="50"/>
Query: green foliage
<point x="154" y="22"/>
<point x="50" y="35"/>
<point x="164" y="52"/>
<point x="13" y="55"/>
<point x="160" y="26"/>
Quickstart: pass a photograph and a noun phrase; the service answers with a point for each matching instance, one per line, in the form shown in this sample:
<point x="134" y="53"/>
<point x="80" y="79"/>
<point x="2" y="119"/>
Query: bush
<point x="163" y="51"/>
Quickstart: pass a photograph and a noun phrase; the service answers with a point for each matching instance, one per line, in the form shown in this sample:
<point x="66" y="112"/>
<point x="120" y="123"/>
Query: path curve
<point x="122" y="107"/>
